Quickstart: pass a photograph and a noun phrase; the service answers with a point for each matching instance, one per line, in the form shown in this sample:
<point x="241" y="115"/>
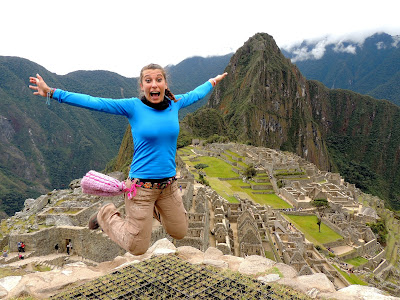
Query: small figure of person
<point x="22" y="247"/>
<point x="5" y="253"/>
<point x="20" y="256"/>
<point x="56" y="247"/>
<point x="180" y="188"/>
<point x="69" y="248"/>
<point x="152" y="177"/>
<point x="19" y="246"/>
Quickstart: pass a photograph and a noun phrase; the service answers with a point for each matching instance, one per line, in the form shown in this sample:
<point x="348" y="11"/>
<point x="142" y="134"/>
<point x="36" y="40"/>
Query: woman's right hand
<point x="40" y="86"/>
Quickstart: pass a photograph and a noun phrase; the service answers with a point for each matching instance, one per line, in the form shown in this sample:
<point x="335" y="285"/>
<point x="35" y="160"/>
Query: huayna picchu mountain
<point x="267" y="102"/>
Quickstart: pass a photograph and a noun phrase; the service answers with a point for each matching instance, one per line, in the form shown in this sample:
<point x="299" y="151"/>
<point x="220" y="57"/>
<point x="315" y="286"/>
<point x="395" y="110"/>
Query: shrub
<point x="250" y="172"/>
<point x="200" y="166"/>
<point x="202" y="180"/>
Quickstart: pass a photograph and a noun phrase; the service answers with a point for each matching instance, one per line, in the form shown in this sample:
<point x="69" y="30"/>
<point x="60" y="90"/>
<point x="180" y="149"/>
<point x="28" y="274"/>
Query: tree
<point x="250" y="172"/>
<point x="379" y="228"/>
<point x="321" y="204"/>
<point x="200" y="166"/>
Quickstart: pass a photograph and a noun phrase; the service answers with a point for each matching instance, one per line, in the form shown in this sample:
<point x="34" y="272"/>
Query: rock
<point x="286" y="270"/>
<point x="3" y="292"/>
<point x="191" y="254"/>
<point x="216" y="263"/>
<point x="161" y="244"/>
<point x="76" y="183"/>
<point x="32" y="207"/>
<point x="358" y="292"/>
<point x="233" y="261"/>
<point x="213" y="253"/>
<point x="61" y="220"/>
<point x="307" y="283"/>
<point x="269" y="278"/>
<point x="163" y="251"/>
<point x="10" y="282"/>
<point x="255" y="264"/>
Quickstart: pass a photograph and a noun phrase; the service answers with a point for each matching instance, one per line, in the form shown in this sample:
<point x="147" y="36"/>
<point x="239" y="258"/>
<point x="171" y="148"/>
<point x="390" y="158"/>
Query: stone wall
<point x="93" y="245"/>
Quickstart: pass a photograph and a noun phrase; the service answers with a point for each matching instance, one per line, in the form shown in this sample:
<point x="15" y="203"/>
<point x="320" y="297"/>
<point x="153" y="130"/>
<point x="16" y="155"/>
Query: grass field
<point x="308" y="225"/>
<point x="351" y="278"/>
<point x="357" y="261"/>
<point x="218" y="168"/>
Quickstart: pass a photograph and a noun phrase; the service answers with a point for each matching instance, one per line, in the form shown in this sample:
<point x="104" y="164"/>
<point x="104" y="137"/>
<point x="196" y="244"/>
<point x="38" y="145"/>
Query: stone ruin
<point x="241" y="229"/>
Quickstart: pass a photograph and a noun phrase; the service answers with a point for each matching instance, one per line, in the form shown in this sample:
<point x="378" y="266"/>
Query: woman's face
<point x="153" y="85"/>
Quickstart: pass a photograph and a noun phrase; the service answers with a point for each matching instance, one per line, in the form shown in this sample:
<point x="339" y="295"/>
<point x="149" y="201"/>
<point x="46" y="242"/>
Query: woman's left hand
<point x="40" y="86"/>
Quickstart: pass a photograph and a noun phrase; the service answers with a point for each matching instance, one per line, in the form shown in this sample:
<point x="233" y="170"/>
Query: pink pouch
<point x="99" y="184"/>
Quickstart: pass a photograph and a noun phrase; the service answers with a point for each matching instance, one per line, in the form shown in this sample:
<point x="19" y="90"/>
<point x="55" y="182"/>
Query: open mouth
<point x="154" y="94"/>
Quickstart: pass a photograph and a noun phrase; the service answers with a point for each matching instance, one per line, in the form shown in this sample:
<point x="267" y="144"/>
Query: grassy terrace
<point x="351" y="278"/>
<point x="357" y="261"/>
<point x="308" y="225"/>
<point x="217" y="168"/>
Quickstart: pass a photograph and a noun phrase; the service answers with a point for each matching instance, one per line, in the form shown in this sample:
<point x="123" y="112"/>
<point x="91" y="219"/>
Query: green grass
<point x="308" y="225"/>
<point x="351" y="278"/>
<point x="223" y="189"/>
<point x="357" y="261"/>
<point x="217" y="168"/>
<point x="270" y="199"/>
<point x="270" y="255"/>
<point x="7" y="271"/>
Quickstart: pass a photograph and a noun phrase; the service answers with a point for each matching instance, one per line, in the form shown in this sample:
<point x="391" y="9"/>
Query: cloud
<point x="316" y="48"/>
<point x="396" y="40"/>
<point x="380" y="45"/>
<point x="304" y="53"/>
<point x="340" y="47"/>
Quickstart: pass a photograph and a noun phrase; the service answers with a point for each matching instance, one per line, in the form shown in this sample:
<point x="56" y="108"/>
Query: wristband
<point x="52" y="92"/>
<point x="49" y="95"/>
<point x="215" y="82"/>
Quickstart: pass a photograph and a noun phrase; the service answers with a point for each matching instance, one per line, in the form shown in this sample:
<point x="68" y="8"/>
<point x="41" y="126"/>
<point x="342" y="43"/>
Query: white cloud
<point x="339" y="47"/>
<point x="380" y="45"/>
<point x="396" y="40"/>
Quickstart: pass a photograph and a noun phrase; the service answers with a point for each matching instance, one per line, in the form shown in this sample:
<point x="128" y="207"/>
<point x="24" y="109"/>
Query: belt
<point x="153" y="183"/>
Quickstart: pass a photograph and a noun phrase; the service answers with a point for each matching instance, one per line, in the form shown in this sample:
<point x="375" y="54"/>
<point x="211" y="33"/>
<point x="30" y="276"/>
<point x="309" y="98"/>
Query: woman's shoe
<point x="93" y="224"/>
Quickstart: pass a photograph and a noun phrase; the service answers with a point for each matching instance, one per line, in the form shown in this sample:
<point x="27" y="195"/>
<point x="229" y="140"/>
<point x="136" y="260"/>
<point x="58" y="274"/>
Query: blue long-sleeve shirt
<point x="154" y="132"/>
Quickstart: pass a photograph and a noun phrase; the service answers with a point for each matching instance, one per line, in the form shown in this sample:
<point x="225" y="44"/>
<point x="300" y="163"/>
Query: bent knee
<point x="178" y="235"/>
<point x="138" y="249"/>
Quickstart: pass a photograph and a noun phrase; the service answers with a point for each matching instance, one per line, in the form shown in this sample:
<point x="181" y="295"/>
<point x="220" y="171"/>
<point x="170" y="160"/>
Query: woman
<point x="155" y="128"/>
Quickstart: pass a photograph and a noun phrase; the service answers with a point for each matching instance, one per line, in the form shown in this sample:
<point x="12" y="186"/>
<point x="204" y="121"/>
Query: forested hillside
<point x="372" y="67"/>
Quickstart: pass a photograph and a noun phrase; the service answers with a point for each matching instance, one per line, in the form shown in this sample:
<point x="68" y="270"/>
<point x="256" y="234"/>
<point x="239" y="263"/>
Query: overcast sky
<point x="124" y="35"/>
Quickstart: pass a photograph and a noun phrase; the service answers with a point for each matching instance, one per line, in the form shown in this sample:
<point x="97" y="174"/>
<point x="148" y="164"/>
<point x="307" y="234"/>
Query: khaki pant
<point x="134" y="232"/>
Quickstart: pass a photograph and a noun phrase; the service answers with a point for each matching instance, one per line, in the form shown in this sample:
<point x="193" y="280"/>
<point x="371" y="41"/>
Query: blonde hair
<point x="168" y="93"/>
